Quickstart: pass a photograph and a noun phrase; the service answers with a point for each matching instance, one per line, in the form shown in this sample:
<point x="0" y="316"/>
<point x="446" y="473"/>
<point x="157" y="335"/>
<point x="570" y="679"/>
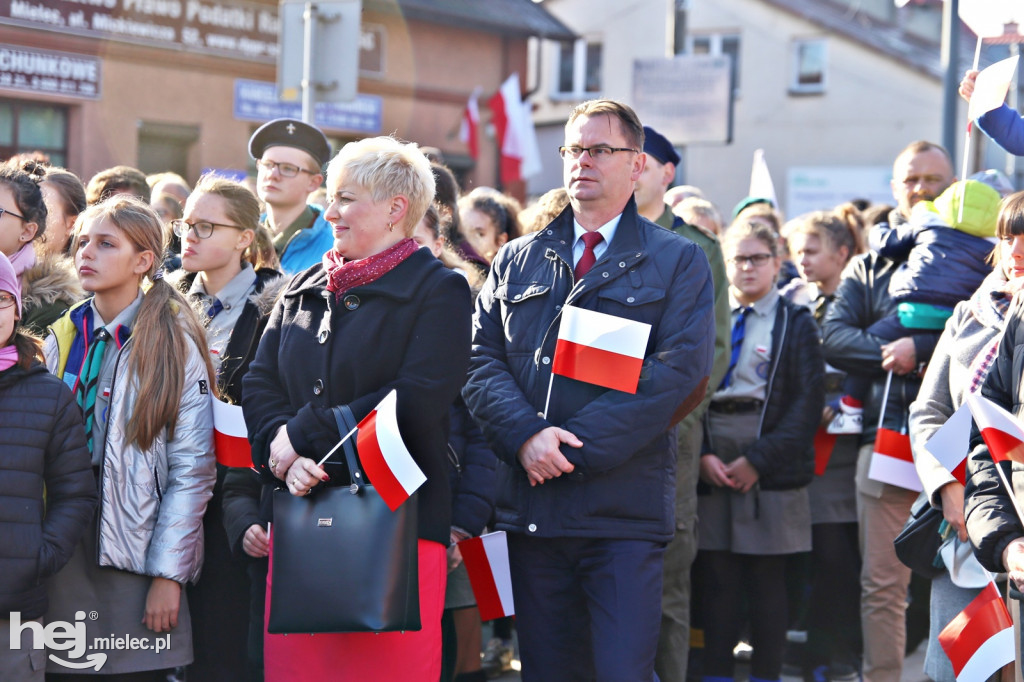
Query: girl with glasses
<point x="229" y="274"/>
<point x="757" y="460"/>
<point x="43" y="449"/>
<point x="135" y="358"/>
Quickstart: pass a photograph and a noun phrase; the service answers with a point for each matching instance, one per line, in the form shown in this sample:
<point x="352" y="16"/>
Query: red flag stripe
<point x="232" y="451"/>
<point x="1003" y="446"/>
<point x="960" y="472"/>
<point x="975" y="625"/>
<point x="375" y="466"/>
<point x="596" y="366"/>
<point x="895" y="445"/>
<point x="824" y="444"/>
<point x="481" y="577"/>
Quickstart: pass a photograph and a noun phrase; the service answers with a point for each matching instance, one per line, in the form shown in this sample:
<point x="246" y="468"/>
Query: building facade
<point x="181" y="84"/>
<point x="830" y="90"/>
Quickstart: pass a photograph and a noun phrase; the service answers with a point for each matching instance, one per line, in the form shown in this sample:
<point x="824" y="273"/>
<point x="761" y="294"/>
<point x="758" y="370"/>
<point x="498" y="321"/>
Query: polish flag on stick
<point x="951" y="443"/>
<point x="471" y="124"/>
<point x="892" y="461"/>
<point x="230" y="437"/>
<point x="990" y="90"/>
<point x="486" y="559"/>
<point x="600" y="349"/>
<point x="979" y="641"/>
<point x="1003" y="435"/>
<point x="384" y="456"/>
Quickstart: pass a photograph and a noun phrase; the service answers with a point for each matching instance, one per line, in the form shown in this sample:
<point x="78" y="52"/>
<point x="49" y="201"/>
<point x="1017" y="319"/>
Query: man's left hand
<point x="541" y="457"/>
<point x="900" y="356"/>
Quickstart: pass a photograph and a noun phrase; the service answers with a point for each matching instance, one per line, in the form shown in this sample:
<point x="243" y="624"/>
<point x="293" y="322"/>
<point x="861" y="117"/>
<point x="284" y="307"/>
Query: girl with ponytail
<point x="135" y="358"/>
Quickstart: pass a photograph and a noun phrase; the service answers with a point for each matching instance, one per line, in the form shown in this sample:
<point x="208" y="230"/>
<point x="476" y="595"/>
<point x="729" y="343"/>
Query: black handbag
<point x="917" y="545"/>
<point x="343" y="561"/>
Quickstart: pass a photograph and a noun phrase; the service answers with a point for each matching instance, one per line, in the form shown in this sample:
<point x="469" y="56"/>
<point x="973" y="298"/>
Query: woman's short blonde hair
<point x="388" y="168"/>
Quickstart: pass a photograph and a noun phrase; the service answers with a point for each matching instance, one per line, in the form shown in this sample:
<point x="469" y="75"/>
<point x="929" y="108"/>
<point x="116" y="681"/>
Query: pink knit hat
<point x="9" y="281"/>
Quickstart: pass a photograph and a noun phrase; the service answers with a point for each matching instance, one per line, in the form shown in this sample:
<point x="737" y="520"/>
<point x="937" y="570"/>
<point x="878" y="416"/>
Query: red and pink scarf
<point x="343" y="275"/>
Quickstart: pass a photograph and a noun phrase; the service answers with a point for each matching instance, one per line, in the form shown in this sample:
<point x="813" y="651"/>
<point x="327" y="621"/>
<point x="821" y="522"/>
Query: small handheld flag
<point x="949" y="445"/>
<point x="486" y="559"/>
<point x="383" y="455"/>
<point x="600" y="349"/>
<point x="979" y="641"/>
<point x="230" y="437"/>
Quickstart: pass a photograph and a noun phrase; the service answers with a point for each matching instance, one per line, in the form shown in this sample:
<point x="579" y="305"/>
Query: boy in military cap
<point x="289" y="157"/>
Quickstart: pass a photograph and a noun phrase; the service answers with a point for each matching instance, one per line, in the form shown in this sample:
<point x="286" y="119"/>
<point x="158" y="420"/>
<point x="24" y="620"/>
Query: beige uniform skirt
<point x="756" y="522"/>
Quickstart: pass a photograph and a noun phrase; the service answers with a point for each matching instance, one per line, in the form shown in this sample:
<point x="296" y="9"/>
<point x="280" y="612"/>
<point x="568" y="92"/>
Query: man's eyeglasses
<point x="757" y="260"/>
<point x="202" y="228"/>
<point x="288" y="170"/>
<point x="598" y="152"/>
<point x="10" y="212"/>
<point x="6" y="300"/>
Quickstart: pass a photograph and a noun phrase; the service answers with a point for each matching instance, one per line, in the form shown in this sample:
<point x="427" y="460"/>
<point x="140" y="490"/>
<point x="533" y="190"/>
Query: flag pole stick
<point x="335" y="448"/>
<point x="967" y="138"/>
<point x="1013" y="498"/>
<point x="547" y="401"/>
<point x="885" y="399"/>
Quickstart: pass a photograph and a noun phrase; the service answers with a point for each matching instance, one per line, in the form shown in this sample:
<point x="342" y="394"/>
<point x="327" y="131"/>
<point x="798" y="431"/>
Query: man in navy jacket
<point x="587" y="477"/>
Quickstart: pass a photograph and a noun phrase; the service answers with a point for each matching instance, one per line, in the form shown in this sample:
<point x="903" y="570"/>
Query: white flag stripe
<point x="761" y="184"/>
<point x="397" y="456"/>
<point x="950" y="444"/>
<point x="992" y="416"/>
<point x="604" y="332"/>
<point x="228" y="419"/>
<point x="894" y="471"/>
<point x="991" y="86"/>
<point x="496" y="548"/>
<point x="993" y="654"/>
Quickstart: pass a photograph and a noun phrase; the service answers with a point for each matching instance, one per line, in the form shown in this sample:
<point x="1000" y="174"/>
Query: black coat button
<point x="318" y="387"/>
<point x="322" y="338"/>
<point x="351" y="301"/>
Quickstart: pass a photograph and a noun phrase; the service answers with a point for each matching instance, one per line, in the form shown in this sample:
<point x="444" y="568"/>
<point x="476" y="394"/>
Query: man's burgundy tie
<point x="587" y="260"/>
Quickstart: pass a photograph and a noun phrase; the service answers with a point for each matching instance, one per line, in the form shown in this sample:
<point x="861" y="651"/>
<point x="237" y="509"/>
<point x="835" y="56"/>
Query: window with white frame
<point x="719" y="44"/>
<point x="810" y="65"/>
<point x="579" y="69"/>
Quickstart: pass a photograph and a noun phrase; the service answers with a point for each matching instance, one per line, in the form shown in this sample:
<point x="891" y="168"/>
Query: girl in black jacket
<point x="47" y="491"/>
<point x="758" y="459"/>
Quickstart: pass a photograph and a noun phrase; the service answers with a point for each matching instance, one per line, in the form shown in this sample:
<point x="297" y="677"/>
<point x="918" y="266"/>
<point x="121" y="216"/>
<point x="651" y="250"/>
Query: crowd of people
<point x="694" y="507"/>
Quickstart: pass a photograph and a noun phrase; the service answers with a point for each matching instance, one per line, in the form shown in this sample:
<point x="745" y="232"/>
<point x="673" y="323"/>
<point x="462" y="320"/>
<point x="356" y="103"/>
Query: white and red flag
<point x="600" y="349"/>
<point x="1003" y="434"/>
<point x="486" y="559"/>
<point x="514" y="132"/>
<point x="979" y="641"/>
<point x="892" y="461"/>
<point x="383" y="455"/>
<point x="471" y="124"/>
<point x="951" y="443"/>
<point x="230" y="437"/>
